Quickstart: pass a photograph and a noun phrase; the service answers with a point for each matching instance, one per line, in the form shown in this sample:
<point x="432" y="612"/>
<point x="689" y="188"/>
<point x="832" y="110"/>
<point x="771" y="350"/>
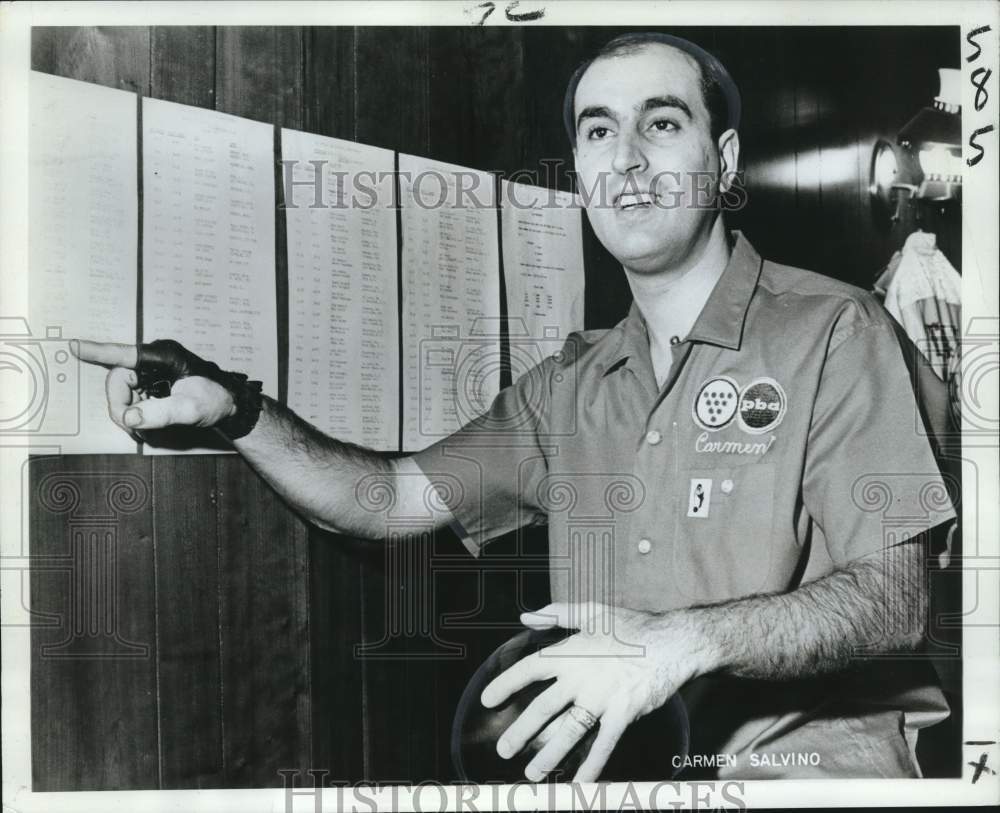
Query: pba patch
<point x="762" y="405"/>
<point x="716" y="403"/>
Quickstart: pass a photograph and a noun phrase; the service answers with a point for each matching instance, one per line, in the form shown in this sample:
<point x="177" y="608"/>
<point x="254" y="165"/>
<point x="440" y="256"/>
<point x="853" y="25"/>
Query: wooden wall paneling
<point x="840" y="158"/>
<point x="93" y="643"/>
<point x="186" y="540"/>
<point x="113" y="56"/>
<point x="330" y="87"/>
<point x="480" y="111"/>
<point x="337" y="571"/>
<point x="264" y="630"/>
<point x="392" y="109"/>
<point x="883" y="58"/>
<point x="338" y="565"/>
<point x="94" y="719"/>
<point x="392" y="88"/>
<point x="550" y="56"/>
<point x="751" y="72"/>
<point x="808" y="191"/>
<point x="260" y="77"/>
<point x="185" y="516"/>
<point x="260" y="74"/>
<point x="451" y="68"/>
<point x="764" y="74"/>
<point x="263" y="553"/>
<point x="182" y="64"/>
<point x="478" y="105"/>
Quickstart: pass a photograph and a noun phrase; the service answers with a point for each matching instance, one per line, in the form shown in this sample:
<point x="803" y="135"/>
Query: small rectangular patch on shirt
<point x="699" y="497"/>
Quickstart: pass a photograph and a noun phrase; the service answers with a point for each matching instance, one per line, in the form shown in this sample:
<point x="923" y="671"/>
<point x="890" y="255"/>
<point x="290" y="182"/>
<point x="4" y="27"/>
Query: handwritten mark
<point x="969" y="39"/>
<point x="980" y="767"/>
<point x="980" y="76"/>
<point x="490" y="8"/>
<point x="982" y="94"/>
<point x="513" y="16"/>
<point x="524" y="16"/>
<point x="972" y="143"/>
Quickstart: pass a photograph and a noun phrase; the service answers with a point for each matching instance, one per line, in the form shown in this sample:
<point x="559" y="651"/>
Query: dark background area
<point x="238" y="625"/>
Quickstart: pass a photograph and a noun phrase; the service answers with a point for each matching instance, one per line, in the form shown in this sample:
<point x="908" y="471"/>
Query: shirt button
<point x="653" y="437"/>
<point x="644" y="546"/>
<point x="727" y="486"/>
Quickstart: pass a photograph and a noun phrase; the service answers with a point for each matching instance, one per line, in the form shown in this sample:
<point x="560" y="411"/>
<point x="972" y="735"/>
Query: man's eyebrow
<point x="653" y="103"/>
<point x="593" y="113"/>
<point x="666" y="101"/>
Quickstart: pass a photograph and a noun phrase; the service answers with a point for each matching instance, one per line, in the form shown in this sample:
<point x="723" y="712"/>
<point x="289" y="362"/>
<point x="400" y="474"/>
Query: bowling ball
<point x="644" y="753"/>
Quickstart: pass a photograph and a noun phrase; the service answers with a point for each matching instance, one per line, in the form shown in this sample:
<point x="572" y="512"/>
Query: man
<point x="725" y="429"/>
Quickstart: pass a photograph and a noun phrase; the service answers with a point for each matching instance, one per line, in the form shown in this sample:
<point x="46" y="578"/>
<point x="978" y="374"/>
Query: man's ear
<point x="729" y="158"/>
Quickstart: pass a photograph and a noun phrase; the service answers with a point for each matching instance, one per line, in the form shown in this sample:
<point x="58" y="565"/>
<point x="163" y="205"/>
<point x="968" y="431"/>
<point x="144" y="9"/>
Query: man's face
<point x="643" y="127"/>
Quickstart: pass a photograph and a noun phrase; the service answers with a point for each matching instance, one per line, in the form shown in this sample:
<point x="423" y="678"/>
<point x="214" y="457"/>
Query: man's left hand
<point x="621" y="665"/>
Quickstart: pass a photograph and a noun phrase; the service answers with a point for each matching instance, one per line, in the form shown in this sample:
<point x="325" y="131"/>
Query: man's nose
<point x="629" y="156"/>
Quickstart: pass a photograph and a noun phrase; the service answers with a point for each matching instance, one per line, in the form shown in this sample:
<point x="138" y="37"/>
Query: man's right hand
<point x="317" y="475"/>
<point x="193" y="401"/>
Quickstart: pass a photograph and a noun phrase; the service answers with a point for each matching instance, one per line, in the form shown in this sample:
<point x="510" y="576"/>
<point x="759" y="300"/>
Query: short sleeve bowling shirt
<point x="785" y="441"/>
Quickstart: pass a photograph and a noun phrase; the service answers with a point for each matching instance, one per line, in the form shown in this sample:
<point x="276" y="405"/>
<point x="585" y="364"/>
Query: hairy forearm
<point x="877" y="603"/>
<point x="317" y="475"/>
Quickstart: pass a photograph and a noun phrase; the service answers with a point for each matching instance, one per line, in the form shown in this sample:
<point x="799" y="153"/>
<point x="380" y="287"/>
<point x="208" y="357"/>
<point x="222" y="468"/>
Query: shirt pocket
<point x="723" y="546"/>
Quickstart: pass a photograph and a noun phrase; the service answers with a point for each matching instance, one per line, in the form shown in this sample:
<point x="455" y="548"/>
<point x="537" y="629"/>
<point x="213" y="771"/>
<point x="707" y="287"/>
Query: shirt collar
<point x="721" y="320"/>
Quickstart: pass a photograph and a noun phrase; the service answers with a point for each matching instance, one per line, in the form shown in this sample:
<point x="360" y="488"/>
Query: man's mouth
<point x="635" y="200"/>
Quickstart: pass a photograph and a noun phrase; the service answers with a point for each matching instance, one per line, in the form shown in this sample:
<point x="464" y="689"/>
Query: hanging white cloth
<point x="923" y="291"/>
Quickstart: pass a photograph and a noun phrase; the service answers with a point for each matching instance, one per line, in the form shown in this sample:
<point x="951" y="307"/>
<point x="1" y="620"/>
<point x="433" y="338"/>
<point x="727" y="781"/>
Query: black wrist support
<point x="163" y="362"/>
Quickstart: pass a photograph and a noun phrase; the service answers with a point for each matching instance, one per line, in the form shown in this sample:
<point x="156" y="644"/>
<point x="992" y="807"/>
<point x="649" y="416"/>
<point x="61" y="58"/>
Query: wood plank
<point x="185" y="518"/>
<point x="263" y="581"/>
<point x="392" y="96"/>
<point x="384" y="656"/>
<point x="113" y="56"/>
<point x="477" y="77"/>
<point x="94" y="719"/>
<point x="839" y="166"/>
<point x="477" y="95"/>
<point x="552" y="53"/>
<point x="93" y="676"/>
<point x="330" y="88"/>
<point x="392" y="110"/>
<point x="186" y="543"/>
<point x="337" y="564"/>
<point x="263" y="546"/>
<point x="335" y="602"/>
<point x="259" y="74"/>
<point x="182" y="61"/>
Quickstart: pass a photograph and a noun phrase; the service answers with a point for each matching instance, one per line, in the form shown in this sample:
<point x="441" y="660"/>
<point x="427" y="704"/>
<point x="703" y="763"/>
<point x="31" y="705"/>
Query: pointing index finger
<point x="106" y="353"/>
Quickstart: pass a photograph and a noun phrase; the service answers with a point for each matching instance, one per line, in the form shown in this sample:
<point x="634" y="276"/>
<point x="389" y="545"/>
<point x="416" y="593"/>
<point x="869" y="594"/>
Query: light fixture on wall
<point x="935" y="134"/>
<point x="884" y="185"/>
<point x="928" y="163"/>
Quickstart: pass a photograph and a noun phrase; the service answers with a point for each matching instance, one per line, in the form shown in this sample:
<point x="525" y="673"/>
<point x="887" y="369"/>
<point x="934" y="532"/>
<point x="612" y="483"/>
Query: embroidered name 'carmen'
<point x="703" y="445"/>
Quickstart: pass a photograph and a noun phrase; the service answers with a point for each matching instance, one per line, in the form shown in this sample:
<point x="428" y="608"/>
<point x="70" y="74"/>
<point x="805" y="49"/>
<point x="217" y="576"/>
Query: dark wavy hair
<point x="722" y="97"/>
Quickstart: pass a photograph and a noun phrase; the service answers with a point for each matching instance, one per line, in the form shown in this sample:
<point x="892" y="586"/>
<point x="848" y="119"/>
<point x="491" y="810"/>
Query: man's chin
<point x="644" y="259"/>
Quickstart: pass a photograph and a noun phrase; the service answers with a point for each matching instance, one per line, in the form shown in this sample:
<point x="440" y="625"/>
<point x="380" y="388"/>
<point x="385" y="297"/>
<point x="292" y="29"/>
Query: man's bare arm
<point x="623" y="667"/>
<point x="876" y="602"/>
<point x="338" y="486"/>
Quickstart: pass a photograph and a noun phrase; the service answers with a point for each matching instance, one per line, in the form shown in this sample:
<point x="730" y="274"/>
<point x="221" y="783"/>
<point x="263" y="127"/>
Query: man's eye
<point x="664" y="126"/>
<point x="596" y="133"/>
